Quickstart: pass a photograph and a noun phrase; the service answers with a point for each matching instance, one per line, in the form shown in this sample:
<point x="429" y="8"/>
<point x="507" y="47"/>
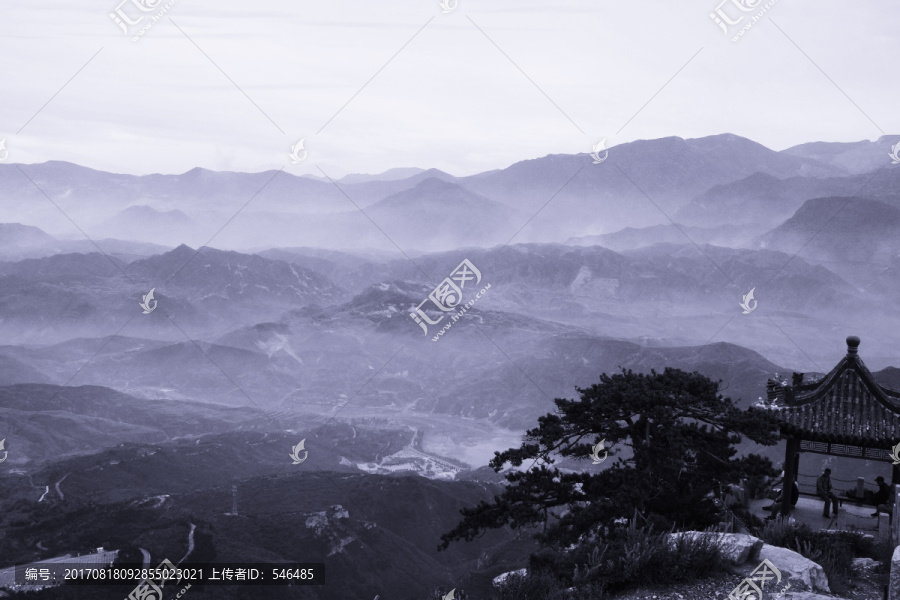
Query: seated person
<point x="756" y="486"/>
<point x="882" y="498"/>
<point x="735" y="496"/>
<point x="772" y="490"/>
<point x="776" y="506"/>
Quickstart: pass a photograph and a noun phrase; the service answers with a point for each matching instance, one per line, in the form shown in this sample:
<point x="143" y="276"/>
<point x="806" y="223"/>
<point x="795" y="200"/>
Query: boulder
<point x="894" y="585"/>
<point x="803" y="574"/>
<point x="499" y="580"/>
<point x="736" y="547"/>
<point x="864" y="564"/>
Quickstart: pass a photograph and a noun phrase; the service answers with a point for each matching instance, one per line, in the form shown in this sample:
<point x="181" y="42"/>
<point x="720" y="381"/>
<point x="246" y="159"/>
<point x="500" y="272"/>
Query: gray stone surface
<point x="806" y="596"/>
<point x="864" y="564"/>
<point x="499" y="580"/>
<point x="803" y="574"/>
<point x="894" y="585"/>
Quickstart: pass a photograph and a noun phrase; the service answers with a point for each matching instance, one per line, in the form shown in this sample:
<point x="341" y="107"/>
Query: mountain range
<point x="699" y="182"/>
<point x="404" y="326"/>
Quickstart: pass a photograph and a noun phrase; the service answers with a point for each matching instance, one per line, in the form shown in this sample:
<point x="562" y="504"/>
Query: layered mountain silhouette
<point x="700" y="182"/>
<point x="764" y="201"/>
<point x="64" y="294"/>
<point x="282" y="312"/>
<point x="852" y="157"/>
<point x="840" y="229"/>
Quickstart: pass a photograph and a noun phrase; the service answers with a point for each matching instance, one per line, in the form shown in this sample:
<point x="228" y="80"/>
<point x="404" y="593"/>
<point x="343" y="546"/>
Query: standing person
<point x="823" y="490"/>
<point x="882" y="497"/>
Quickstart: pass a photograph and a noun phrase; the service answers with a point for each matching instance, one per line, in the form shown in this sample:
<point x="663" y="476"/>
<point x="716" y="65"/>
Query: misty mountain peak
<point x="433" y="183"/>
<point x="16" y="234"/>
<point x="198" y="172"/>
<point x="182" y="251"/>
<point x="142" y="210"/>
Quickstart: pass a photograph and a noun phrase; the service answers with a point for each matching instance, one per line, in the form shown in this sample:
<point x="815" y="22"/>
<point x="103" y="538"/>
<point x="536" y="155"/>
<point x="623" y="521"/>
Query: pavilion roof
<point x="847" y="406"/>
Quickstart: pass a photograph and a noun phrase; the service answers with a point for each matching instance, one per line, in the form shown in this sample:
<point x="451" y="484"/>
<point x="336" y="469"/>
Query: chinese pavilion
<point x="846" y="413"/>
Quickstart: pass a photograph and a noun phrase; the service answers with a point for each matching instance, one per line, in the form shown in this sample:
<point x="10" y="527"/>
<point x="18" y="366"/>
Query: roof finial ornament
<point x="852" y="345"/>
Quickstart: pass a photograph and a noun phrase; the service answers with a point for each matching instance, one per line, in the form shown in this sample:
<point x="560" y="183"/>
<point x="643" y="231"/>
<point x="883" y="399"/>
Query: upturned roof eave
<point x="888" y="398"/>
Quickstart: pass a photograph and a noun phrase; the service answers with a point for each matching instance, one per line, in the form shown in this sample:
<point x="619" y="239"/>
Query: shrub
<point x="627" y="558"/>
<point x="748" y="519"/>
<point x="781" y="532"/>
<point x="541" y="586"/>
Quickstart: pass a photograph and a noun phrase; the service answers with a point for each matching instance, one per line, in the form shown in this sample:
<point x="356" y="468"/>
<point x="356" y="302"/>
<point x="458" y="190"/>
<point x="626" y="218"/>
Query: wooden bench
<point x="842" y="497"/>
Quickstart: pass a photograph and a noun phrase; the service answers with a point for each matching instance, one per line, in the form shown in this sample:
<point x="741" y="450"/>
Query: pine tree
<point x="670" y="438"/>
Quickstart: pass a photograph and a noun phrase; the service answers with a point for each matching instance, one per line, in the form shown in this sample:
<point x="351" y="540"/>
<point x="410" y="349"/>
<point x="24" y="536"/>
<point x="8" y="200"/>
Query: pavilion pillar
<point x="895" y="475"/>
<point x="791" y="456"/>
<point x="895" y="520"/>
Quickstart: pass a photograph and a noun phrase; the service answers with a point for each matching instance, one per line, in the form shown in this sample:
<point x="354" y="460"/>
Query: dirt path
<point x="58" y="490"/>
<point x="190" y="543"/>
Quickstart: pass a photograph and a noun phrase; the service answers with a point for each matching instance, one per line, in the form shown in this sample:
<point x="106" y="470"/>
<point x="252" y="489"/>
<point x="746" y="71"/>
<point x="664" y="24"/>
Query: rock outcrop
<point x="798" y="574"/>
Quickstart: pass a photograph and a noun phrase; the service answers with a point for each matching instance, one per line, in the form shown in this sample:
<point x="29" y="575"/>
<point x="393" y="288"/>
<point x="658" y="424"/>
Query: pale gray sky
<point x="449" y="99"/>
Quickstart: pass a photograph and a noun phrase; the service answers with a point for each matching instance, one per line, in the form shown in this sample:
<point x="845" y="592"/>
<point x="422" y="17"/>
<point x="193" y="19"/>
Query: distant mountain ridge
<point x="455" y="216"/>
<point x="766" y="201"/>
<point x="90" y="293"/>
<point x="389" y="175"/>
<point x="19" y="242"/>
<point x="631" y="238"/>
<point x="81" y="411"/>
<point x="840" y="229"/>
<point x="145" y="222"/>
<point x="853" y="157"/>
<point x="23" y="236"/>
<point x="639" y="184"/>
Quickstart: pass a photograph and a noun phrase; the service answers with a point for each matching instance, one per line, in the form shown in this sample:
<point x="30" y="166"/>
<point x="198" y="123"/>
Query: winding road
<point x="190" y="543"/>
<point x="59" y="491"/>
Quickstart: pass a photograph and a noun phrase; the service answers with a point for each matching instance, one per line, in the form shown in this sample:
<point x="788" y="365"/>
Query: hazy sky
<point x="233" y="85"/>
